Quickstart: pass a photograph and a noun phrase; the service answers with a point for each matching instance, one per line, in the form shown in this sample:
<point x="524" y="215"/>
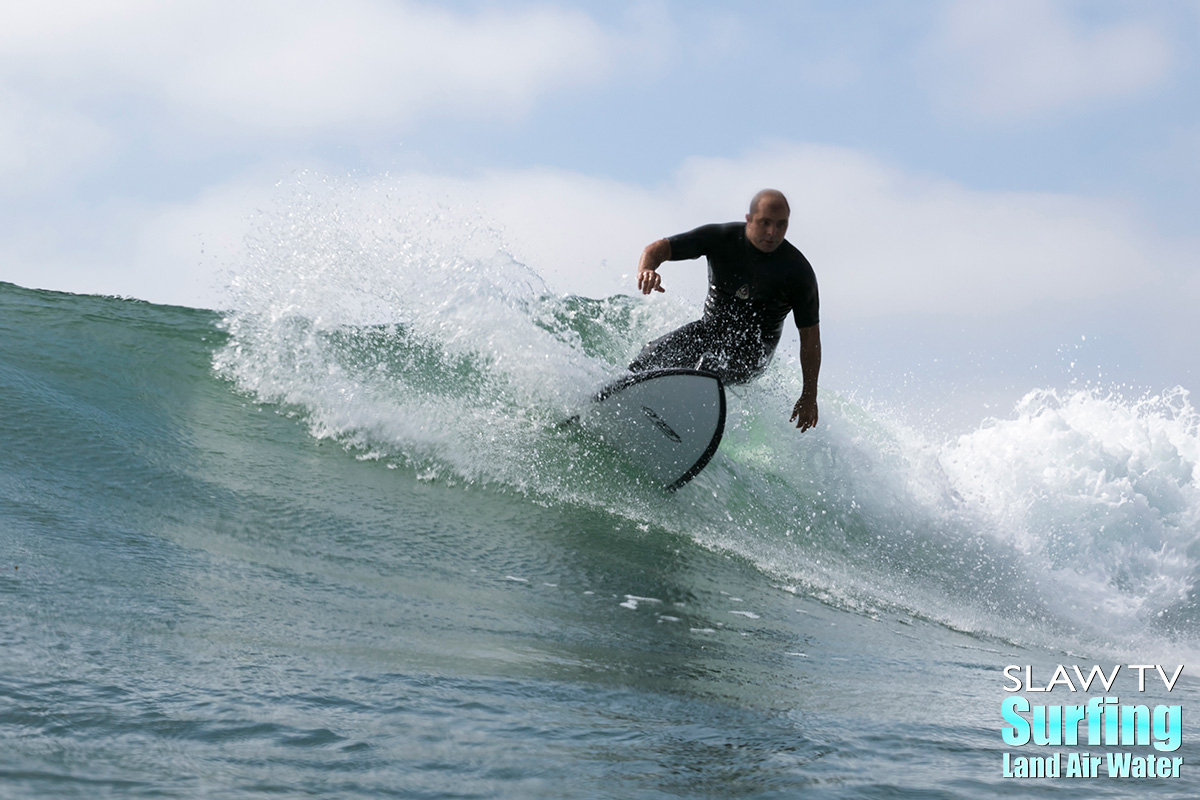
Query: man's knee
<point x="682" y="347"/>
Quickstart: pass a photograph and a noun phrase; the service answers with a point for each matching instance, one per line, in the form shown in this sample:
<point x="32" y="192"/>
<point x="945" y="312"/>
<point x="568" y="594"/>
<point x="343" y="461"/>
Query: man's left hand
<point x="804" y="413"/>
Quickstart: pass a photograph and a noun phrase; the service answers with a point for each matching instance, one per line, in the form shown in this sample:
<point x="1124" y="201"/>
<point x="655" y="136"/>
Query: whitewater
<point x="333" y="541"/>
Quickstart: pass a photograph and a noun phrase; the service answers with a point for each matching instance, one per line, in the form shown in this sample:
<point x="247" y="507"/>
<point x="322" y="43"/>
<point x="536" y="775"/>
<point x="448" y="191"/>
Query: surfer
<point x="755" y="277"/>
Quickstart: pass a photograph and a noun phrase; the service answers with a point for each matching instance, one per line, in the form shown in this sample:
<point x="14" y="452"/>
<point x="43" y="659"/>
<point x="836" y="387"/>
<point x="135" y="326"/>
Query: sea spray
<point x="1101" y="493"/>
<point x="413" y="338"/>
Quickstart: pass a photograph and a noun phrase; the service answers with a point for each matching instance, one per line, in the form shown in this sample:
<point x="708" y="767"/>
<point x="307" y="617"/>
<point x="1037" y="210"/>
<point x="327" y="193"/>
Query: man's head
<point x="767" y="221"/>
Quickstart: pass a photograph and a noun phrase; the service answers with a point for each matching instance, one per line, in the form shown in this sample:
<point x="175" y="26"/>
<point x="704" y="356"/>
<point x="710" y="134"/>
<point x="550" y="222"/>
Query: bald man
<point x="755" y="278"/>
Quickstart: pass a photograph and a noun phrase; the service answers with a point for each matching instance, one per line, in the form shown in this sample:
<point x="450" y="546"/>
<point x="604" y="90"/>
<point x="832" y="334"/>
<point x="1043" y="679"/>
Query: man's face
<point x="766" y="227"/>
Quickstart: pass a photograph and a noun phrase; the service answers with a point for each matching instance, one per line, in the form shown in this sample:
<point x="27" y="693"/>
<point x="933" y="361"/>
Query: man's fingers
<point x="804" y="418"/>
<point x="650" y="281"/>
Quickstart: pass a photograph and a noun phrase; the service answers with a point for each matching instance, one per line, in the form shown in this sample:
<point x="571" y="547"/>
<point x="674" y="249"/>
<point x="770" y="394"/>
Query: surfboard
<point x="667" y="421"/>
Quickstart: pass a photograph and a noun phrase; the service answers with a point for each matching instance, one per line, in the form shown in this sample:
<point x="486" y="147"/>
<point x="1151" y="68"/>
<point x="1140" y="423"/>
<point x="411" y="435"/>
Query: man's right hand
<point x="655" y="253"/>
<point x="649" y="281"/>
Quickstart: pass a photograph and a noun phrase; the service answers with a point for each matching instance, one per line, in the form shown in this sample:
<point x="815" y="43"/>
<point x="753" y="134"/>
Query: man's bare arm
<point x="648" y="279"/>
<point x="804" y="413"/>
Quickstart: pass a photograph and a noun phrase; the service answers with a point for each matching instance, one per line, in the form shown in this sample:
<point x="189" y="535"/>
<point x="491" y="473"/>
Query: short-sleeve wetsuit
<point x="749" y="296"/>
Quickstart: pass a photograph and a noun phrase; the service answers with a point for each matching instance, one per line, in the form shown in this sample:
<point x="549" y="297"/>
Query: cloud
<point x="41" y="146"/>
<point x="181" y="253"/>
<point x="883" y="241"/>
<point x="300" y="67"/>
<point x="1024" y="58"/>
<point x="388" y="64"/>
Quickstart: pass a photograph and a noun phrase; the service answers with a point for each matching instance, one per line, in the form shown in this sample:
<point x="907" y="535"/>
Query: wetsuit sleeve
<point x="806" y="305"/>
<point x="694" y="243"/>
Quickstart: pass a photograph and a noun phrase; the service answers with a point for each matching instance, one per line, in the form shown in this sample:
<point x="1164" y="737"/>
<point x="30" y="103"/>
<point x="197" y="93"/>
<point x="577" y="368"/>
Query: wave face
<point x="417" y="342"/>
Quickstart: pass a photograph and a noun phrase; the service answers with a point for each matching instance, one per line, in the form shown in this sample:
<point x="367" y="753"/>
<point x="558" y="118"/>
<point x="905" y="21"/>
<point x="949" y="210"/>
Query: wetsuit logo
<point x="661" y="424"/>
<point x="744" y="292"/>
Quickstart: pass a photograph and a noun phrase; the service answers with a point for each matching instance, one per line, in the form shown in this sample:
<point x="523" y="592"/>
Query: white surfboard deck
<point x="668" y="421"/>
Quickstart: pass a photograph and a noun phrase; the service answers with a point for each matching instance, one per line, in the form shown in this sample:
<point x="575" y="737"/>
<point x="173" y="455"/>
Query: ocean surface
<point x="334" y="543"/>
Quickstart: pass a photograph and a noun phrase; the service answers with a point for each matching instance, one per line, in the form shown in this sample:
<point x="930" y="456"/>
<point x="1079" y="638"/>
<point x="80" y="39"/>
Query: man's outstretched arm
<point x="804" y="413"/>
<point x="648" y="279"/>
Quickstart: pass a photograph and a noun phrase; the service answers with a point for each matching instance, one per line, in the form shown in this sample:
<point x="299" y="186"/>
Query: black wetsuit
<point x="749" y="296"/>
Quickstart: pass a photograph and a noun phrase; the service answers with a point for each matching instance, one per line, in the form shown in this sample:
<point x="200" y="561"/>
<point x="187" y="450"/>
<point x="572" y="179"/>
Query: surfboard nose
<point x="668" y="421"/>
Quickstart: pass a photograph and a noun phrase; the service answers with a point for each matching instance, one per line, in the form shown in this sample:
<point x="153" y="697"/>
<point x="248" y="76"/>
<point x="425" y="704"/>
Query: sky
<point x="993" y="193"/>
